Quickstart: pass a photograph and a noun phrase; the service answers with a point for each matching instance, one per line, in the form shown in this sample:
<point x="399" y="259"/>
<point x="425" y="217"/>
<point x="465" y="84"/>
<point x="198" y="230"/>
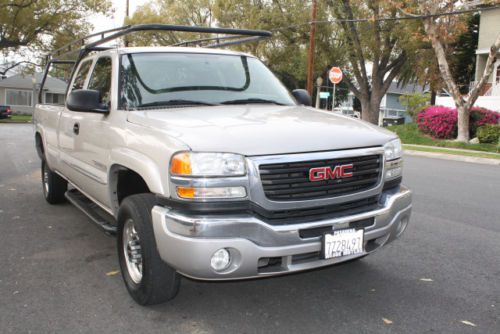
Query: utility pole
<point x="127" y="6"/>
<point x="310" y="57"/>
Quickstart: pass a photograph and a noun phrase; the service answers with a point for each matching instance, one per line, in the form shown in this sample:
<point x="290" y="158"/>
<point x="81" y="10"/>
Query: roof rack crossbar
<point x="85" y="46"/>
<point x="210" y="39"/>
<point x="240" y="41"/>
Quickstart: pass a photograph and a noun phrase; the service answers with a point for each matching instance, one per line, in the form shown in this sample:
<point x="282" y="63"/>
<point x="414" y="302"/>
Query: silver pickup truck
<point x="205" y="166"/>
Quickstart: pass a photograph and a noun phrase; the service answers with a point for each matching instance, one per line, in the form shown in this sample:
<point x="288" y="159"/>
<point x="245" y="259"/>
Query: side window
<point x="101" y="78"/>
<point x="81" y="74"/>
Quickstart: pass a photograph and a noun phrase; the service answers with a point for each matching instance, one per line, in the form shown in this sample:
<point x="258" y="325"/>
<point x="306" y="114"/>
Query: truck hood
<point x="261" y="129"/>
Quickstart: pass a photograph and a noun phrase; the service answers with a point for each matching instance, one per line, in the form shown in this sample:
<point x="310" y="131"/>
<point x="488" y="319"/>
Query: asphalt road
<point x="54" y="265"/>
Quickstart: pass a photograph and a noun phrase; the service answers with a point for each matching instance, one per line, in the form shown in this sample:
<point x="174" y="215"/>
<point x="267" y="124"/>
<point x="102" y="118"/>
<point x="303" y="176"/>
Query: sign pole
<point x="335" y="76"/>
<point x="333" y="99"/>
<point x="319" y="81"/>
<point x="318" y="90"/>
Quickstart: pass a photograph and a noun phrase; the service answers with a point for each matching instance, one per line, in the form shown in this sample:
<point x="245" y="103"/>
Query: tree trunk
<point x="433" y="97"/>
<point x="463" y="124"/>
<point x="370" y="111"/>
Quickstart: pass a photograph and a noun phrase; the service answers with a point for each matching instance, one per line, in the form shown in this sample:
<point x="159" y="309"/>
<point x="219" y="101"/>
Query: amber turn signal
<point x="184" y="192"/>
<point x="181" y="164"/>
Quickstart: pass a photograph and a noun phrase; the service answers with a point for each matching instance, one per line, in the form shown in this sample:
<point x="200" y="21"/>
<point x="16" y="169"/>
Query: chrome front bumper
<point x="259" y="249"/>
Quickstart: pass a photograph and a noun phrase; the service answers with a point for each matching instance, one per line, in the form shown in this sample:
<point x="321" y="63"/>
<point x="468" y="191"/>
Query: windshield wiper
<point x="252" y="100"/>
<point x="175" y="103"/>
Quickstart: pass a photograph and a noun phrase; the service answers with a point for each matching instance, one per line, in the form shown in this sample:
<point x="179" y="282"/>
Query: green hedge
<point x="489" y="133"/>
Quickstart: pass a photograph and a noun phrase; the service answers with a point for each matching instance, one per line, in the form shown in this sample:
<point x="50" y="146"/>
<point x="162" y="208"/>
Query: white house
<point x="390" y="106"/>
<point x="18" y="90"/>
<point x="489" y="28"/>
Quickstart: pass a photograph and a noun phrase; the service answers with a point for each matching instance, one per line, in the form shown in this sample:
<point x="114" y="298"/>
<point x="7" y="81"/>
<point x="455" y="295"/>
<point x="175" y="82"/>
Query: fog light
<point x="393" y="173"/>
<point x="220" y="260"/>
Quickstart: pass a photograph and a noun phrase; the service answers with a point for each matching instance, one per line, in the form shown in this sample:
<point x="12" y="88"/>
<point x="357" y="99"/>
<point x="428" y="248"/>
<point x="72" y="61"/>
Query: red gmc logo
<point x="326" y="173"/>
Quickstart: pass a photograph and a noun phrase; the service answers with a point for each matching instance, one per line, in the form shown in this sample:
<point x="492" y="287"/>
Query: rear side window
<point x="81" y="75"/>
<point x="101" y="78"/>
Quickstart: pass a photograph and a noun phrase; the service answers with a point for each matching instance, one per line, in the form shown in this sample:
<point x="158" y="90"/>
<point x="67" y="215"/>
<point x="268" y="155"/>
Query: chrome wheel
<point x="132" y="251"/>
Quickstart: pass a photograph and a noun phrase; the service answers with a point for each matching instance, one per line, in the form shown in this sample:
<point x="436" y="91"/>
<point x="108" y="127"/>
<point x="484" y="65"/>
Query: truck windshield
<point x="187" y="79"/>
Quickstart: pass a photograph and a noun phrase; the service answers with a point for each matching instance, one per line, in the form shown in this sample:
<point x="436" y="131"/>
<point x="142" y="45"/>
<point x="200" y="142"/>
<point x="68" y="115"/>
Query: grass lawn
<point x="475" y="154"/>
<point x="16" y="119"/>
<point x="410" y="134"/>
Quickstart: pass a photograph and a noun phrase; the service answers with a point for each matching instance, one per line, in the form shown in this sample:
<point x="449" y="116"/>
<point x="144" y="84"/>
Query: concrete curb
<point x="446" y="156"/>
<point x="410" y="146"/>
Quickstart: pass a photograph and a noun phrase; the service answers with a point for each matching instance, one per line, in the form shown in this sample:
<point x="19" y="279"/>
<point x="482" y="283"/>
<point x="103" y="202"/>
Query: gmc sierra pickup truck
<point x="205" y="166"/>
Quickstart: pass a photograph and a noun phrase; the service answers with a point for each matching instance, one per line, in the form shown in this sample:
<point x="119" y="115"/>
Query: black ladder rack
<point x="81" y="47"/>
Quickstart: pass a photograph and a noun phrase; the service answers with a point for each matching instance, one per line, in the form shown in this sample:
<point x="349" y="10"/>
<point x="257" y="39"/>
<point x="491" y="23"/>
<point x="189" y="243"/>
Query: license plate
<point x="343" y="243"/>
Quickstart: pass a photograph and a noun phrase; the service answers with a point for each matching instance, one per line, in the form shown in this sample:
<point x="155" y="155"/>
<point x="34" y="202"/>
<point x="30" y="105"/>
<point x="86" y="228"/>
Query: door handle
<point x="76" y="128"/>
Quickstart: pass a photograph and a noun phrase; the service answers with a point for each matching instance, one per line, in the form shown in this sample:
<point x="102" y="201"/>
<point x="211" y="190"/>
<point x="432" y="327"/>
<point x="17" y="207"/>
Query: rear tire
<point x="54" y="186"/>
<point x="148" y="279"/>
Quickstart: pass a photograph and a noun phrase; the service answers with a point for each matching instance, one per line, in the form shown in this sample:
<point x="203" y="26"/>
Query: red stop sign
<point x="335" y="75"/>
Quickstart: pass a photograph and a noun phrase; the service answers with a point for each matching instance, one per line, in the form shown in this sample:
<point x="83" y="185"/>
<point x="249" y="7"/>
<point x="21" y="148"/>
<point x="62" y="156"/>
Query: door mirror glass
<point x="86" y="100"/>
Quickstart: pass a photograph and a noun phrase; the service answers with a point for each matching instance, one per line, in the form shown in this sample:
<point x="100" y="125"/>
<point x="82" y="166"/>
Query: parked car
<point x="5" y="112"/>
<point x="205" y="166"/>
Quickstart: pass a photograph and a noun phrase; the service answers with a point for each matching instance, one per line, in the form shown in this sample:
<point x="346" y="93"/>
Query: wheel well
<point x="129" y="183"/>
<point x="39" y="145"/>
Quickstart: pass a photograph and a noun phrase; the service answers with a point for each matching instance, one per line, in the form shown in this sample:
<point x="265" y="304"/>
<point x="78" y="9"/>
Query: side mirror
<point x="86" y="100"/>
<point x="302" y="97"/>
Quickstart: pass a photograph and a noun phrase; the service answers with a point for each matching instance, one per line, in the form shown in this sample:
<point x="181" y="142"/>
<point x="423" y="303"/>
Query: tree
<point x="383" y="44"/>
<point x="189" y="12"/>
<point x="463" y="54"/>
<point x="414" y="102"/>
<point x="438" y="31"/>
<point x="4" y="68"/>
<point x="421" y="66"/>
<point x="44" y="24"/>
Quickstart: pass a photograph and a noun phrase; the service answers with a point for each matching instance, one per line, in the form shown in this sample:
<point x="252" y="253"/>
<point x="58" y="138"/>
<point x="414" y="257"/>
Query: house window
<point x="18" y="97"/>
<point x="52" y="98"/>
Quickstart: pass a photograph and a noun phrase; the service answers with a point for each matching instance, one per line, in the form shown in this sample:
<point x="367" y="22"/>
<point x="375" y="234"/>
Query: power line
<point x="380" y="19"/>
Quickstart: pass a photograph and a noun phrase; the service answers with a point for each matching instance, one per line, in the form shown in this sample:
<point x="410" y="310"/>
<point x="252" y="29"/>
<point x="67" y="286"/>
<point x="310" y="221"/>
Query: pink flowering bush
<point x="438" y="122"/>
<point x="441" y="122"/>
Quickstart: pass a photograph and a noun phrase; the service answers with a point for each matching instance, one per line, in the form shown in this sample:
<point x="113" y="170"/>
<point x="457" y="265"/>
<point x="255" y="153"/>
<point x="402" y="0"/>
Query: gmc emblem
<point x="326" y="173"/>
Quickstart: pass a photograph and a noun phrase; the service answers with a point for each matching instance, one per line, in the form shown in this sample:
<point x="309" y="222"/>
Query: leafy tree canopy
<point x="42" y="25"/>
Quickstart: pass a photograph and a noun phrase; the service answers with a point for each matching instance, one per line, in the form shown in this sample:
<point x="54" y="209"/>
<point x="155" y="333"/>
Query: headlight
<point x="207" y="164"/>
<point x="393" y="150"/>
<point x="393" y="162"/>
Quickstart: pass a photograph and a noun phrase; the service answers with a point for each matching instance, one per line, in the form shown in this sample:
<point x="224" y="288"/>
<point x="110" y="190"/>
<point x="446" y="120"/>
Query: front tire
<point x="148" y="279"/>
<point x="54" y="186"/>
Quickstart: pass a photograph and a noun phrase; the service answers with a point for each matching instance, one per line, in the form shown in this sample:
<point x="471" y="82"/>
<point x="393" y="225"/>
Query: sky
<point x="102" y="22"/>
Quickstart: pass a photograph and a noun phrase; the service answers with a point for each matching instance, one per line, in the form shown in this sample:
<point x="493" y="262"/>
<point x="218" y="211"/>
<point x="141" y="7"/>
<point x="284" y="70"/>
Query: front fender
<point x="142" y="165"/>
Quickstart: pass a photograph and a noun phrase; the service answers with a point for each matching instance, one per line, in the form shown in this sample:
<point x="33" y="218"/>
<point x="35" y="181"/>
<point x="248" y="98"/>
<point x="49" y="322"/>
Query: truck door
<point x="66" y="132"/>
<point x="91" y="148"/>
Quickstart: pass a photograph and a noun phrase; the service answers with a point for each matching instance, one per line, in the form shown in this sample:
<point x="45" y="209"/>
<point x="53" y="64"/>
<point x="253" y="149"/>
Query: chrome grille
<point x="290" y="181"/>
